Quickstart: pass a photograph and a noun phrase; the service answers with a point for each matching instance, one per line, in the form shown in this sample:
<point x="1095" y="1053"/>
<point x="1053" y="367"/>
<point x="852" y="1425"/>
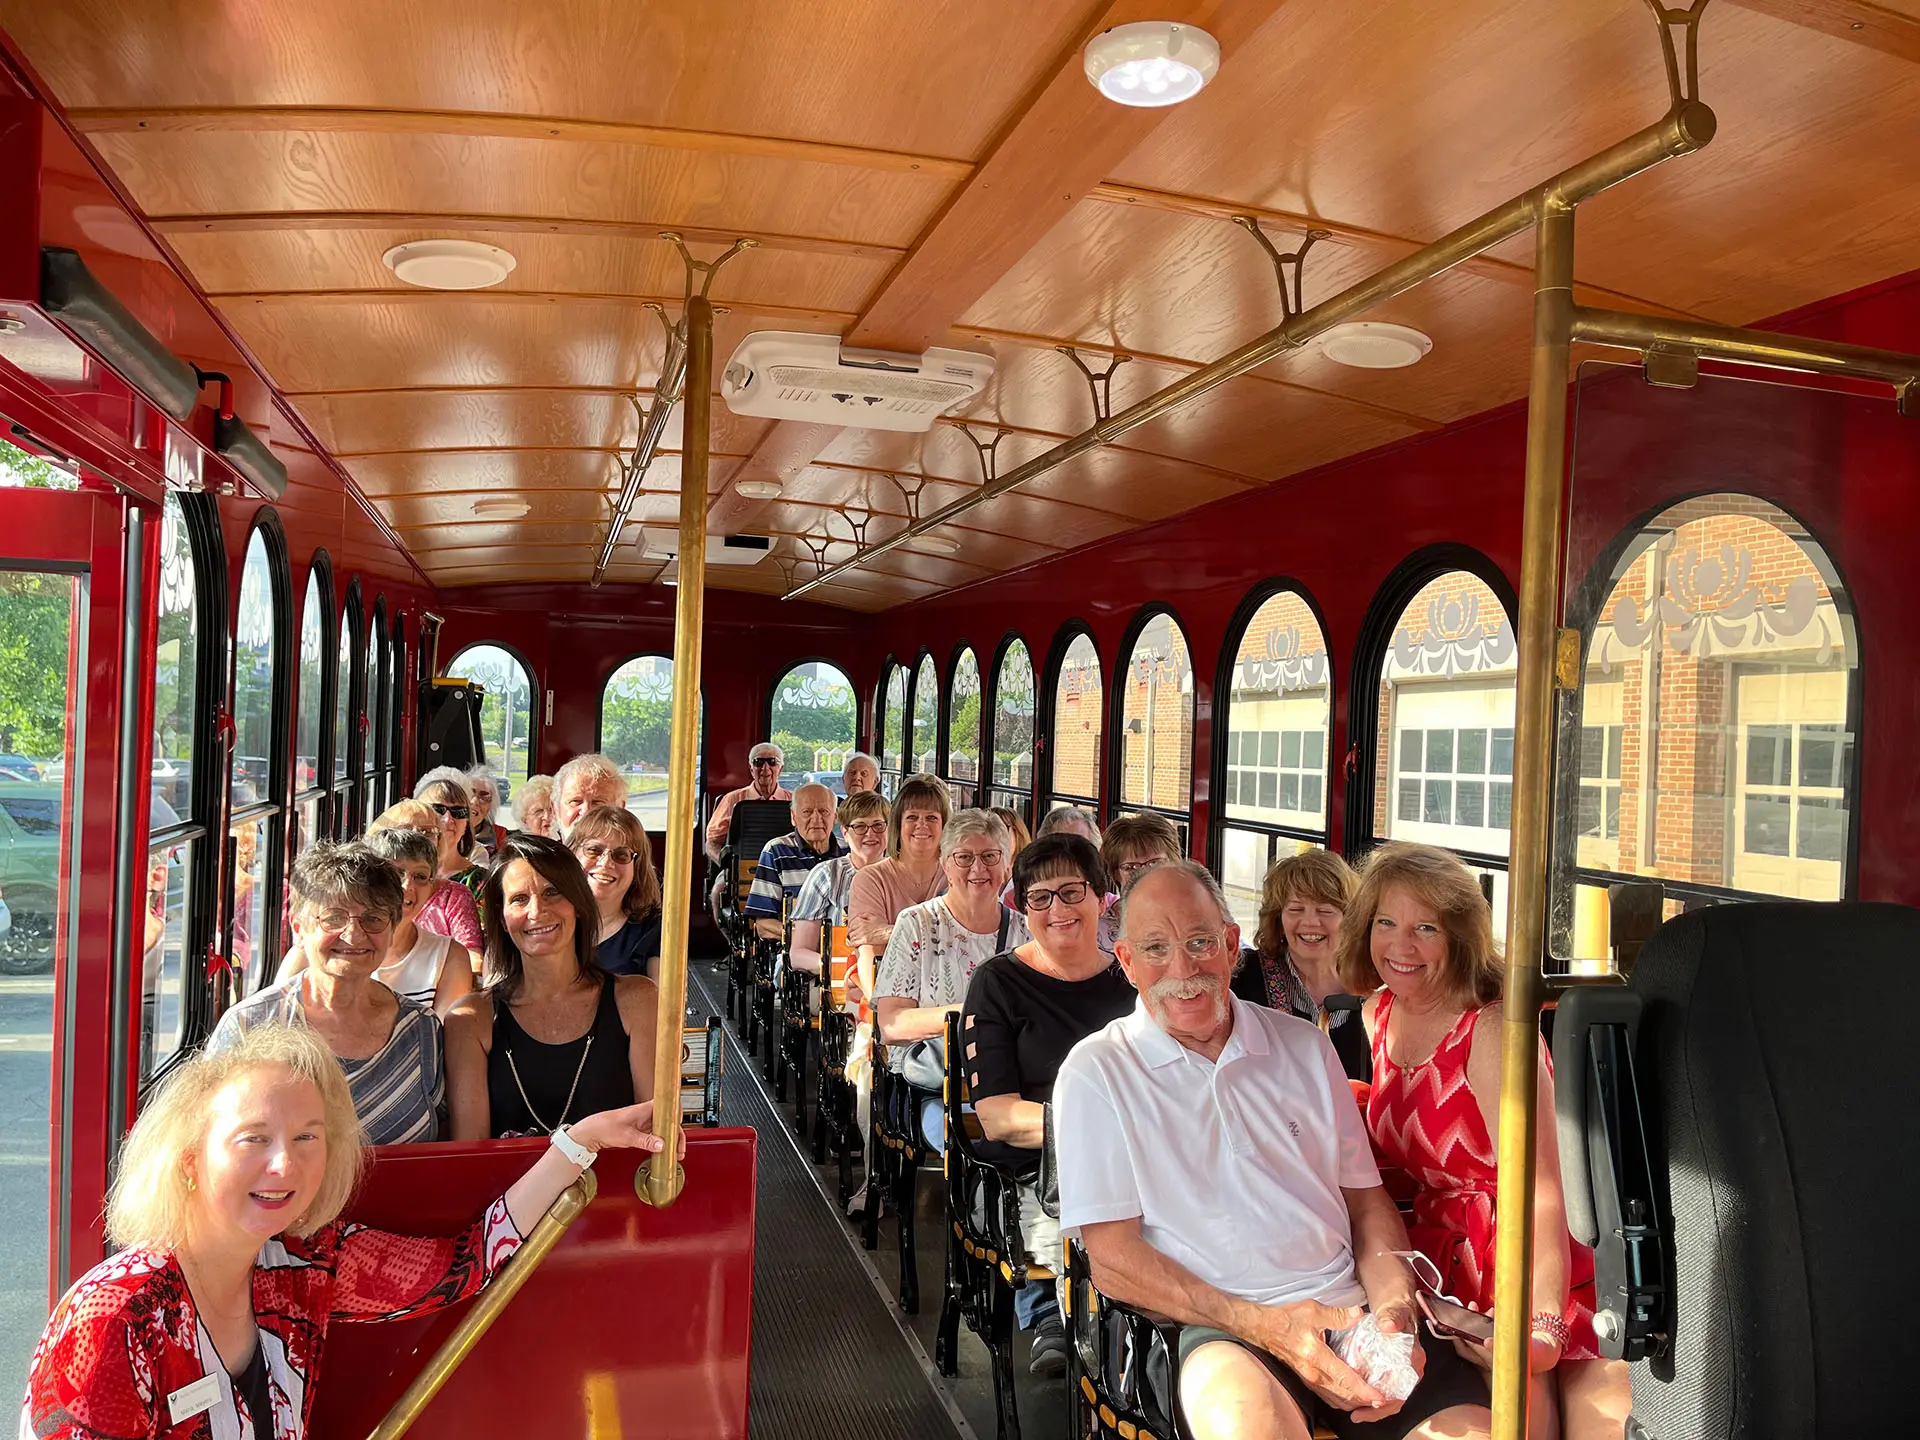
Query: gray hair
<point x="594" y="766"/>
<point x="535" y="787"/>
<point x="1193" y="870"/>
<point x="855" y="758"/>
<point x="1062" y="816"/>
<point x="966" y="824"/>
<point x="766" y="747"/>
<point x="399" y="846"/>
<point x="443" y="775"/>
<point x="481" y="772"/>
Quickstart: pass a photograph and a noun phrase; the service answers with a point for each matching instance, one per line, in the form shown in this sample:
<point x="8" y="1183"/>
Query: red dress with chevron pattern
<point x="1426" y="1120"/>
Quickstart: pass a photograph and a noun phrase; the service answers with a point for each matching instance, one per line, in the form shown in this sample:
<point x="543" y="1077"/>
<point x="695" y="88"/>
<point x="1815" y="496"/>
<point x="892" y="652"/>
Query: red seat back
<point x="638" y="1322"/>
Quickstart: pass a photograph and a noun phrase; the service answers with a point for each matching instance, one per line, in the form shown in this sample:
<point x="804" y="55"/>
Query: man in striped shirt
<point x="786" y="861"/>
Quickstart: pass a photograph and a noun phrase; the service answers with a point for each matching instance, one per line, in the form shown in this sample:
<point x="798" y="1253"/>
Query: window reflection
<point x="1013" y="726"/>
<point x="1156" y="719"/>
<point x="1079" y="708"/>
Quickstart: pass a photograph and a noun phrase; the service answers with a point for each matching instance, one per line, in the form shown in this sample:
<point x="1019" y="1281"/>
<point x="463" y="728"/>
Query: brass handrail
<point x="486" y="1309"/>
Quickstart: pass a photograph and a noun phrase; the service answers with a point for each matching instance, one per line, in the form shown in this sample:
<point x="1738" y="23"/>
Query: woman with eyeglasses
<point x="1025" y="1009"/>
<point x="346" y="902"/>
<point x="611" y="845"/>
<point x="450" y="909"/>
<point x="483" y="792"/>
<point x="1134" y="844"/>
<point x="911" y="873"/>
<point x="825" y="893"/>
<point x="462" y="859"/>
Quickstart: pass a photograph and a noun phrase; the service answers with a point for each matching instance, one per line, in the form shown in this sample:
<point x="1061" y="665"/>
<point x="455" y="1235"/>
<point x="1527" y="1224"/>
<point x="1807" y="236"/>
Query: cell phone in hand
<point x="1448" y="1318"/>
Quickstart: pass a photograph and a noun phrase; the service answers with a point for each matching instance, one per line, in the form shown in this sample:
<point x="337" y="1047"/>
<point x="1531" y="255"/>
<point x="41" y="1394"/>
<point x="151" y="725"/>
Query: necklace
<point x="578" y="1071"/>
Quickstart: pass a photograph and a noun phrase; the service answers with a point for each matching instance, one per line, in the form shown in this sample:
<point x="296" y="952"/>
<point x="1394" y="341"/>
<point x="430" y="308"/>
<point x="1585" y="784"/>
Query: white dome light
<point x="939" y="544"/>
<point x="757" y="489"/>
<point x="1152" y="62"/>
<point x="500" y="507"/>
<point x="1375" y="345"/>
<point x="450" y="264"/>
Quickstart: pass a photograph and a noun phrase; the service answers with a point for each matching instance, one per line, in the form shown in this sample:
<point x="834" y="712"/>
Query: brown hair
<point x="556" y="864"/>
<point x="619" y="824"/>
<point x="863" y="805"/>
<point x="924" y="792"/>
<point x="1315" y="875"/>
<point x="1438" y="879"/>
<point x="1138" y="832"/>
<point x="1016" y="827"/>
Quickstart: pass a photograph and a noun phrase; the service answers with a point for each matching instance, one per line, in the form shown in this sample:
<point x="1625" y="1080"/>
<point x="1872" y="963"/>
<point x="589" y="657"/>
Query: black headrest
<point x="755" y="822"/>
<point x="1778" y="1073"/>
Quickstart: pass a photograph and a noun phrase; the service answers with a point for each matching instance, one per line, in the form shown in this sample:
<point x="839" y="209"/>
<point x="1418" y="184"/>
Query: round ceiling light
<point x="500" y="507"/>
<point x="1152" y="62"/>
<point x="1375" y="345"/>
<point x="939" y="544"/>
<point x="757" y="489"/>
<point x="450" y="264"/>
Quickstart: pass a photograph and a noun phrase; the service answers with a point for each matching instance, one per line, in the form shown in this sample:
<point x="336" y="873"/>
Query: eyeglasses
<point x="764" y="762"/>
<point x="1198" y="948"/>
<point x="1127" y="869"/>
<point x="592" y="854"/>
<point x="1071" y="893"/>
<point x="337" y="922"/>
<point x="965" y="860"/>
<point x="866" y="827"/>
<point x="457" y="812"/>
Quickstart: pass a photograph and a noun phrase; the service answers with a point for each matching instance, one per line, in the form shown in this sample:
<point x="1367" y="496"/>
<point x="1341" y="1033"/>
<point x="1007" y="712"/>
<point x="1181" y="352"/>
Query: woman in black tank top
<point x="553" y="1037"/>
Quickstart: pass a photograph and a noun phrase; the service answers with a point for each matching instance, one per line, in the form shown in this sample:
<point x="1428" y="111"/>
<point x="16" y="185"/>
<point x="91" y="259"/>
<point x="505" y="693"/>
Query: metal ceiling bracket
<point x="1672" y="18"/>
<point x="1670" y="367"/>
<point x="789" y="566"/>
<point x="1286" y="268"/>
<point x="1099" y="383"/>
<point x="1908" y="400"/>
<point x="817" y="548"/>
<point x="858" y="527"/>
<point x="988" y="451"/>
<point x="911" y="496"/>
<point x="705" y="269"/>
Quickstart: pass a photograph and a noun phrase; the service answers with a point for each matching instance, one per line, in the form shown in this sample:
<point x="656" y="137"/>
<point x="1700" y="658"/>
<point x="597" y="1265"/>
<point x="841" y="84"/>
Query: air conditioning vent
<point x="662" y="543"/>
<point x="814" y="378"/>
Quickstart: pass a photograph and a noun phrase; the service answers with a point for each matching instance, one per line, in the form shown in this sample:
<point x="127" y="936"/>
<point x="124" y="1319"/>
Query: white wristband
<point x="575" y="1152"/>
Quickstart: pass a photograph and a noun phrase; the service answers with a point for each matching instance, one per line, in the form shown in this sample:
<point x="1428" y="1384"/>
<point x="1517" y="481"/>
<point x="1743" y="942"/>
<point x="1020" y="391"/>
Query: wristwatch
<point x="575" y="1152"/>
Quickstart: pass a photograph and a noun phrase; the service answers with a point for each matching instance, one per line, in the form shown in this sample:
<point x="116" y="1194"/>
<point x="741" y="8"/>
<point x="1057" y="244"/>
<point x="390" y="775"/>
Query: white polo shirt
<point x="1233" y="1167"/>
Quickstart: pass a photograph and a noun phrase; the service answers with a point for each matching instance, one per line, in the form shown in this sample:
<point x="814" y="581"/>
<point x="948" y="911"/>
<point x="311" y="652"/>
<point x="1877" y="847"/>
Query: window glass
<point x="164" y="962"/>
<point x="396" y="717"/>
<point x="812" y="717"/>
<point x="1079" y="708"/>
<point x="1156" y="719"/>
<point x="175" y="670"/>
<point x="926" y="717"/>
<point x="251" y="946"/>
<point x="894" y="721"/>
<point x="308" y="730"/>
<point x="343" y="699"/>
<point x="254" y="723"/>
<point x="506" y="710"/>
<point x="1277" y="714"/>
<point x="636" y="733"/>
<point x="371" y="709"/>
<point x="1013" y="719"/>
<point x="1445" y="742"/>
<point x="1716" y="724"/>
<point x="963" y="722"/>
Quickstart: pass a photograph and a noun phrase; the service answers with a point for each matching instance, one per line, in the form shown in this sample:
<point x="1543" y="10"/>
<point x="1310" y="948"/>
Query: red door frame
<point x="85" y="533"/>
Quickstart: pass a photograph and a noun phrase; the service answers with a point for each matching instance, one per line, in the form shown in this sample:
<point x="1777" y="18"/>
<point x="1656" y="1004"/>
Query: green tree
<point x="35" y="619"/>
<point x="635" y="731"/>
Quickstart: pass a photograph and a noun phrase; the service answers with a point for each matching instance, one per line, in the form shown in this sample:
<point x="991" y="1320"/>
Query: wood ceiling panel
<point x="296" y="259"/>
<point x="441" y="535"/>
<point x="195" y="173"/>
<point x="526" y="472"/>
<point x="937" y="76"/>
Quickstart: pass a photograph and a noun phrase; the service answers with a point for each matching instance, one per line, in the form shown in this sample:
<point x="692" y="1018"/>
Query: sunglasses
<point x="765" y="762"/>
<point x="619" y="854"/>
<point x="457" y="812"/>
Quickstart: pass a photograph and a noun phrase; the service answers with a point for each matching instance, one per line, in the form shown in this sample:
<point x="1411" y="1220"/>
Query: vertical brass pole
<point x="1532" y="807"/>
<point x="663" y="1178"/>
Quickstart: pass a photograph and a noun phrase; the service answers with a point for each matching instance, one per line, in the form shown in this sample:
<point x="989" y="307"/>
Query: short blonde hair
<point x="406" y="815"/>
<point x="1440" y="880"/>
<point x="151" y="1203"/>
<point x="536" y="788"/>
<point x="1315" y="875"/>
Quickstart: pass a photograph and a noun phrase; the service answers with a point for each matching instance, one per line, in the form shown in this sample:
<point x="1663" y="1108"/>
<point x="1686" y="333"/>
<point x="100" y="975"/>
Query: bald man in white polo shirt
<point x="1216" y="1170"/>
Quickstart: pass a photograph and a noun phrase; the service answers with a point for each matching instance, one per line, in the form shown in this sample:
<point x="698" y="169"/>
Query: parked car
<point x="832" y="779"/>
<point x="29" y="873"/>
<point x="19" y="767"/>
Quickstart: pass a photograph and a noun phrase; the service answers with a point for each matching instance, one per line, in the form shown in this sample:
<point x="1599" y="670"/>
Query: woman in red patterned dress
<point x="1420" y="932"/>
<point x="211" y="1323"/>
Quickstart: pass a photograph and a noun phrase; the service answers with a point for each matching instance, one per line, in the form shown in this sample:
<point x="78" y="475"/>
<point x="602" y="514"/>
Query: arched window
<point x="636" y="733"/>
<point x="1272" y="797"/>
<point x="963" y="729"/>
<point x="1074" y="737"/>
<point x="926" y="717"/>
<point x="310" y="731"/>
<point x="374" y="711"/>
<point x="1154" y="753"/>
<point x="1444" y="741"/>
<point x="258" y="781"/>
<point x="810" y="716"/>
<point x="893" y="729"/>
<point x="506" y="711"/>
<point x="347" y="736"/>
<point x="1717" y="718"/>
<point x="182" y="864"/>
<point x="1012" y="734"/>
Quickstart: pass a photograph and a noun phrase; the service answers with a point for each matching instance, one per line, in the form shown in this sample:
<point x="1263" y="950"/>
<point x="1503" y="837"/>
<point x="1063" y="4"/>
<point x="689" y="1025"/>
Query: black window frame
<point x="1021" y="802"/>
<point x="518" y="656"/>
<point x="344" y="805"/>
<point x="272" y="812"/>
<point x="1116" y="698"/>
<point x="320" y="793"/>
<point x="1047" y="717"/>
<point x="773" y="692"/>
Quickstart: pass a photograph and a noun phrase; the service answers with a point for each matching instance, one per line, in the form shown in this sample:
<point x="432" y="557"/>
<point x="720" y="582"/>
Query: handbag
<point x="924" y="1066"/>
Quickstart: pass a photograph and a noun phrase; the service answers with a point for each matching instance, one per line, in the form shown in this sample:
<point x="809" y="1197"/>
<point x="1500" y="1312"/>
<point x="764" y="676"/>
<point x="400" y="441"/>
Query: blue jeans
<point x="1034" y="1302"/>
<point x="933" y="1125"/>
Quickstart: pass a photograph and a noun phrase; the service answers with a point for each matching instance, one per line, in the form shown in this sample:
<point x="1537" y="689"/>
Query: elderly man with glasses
<point x="1215" y="1169"/>
<point x="787" y="859"/>
<point x="766" y="760"/>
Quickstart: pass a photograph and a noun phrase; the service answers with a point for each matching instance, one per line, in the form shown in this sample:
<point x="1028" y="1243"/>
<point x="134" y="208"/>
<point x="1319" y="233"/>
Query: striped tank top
<point x="415" y="975"/>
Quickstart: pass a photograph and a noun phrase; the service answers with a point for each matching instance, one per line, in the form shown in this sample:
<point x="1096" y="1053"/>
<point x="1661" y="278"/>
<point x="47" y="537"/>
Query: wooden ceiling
<point x="936" y="173"/>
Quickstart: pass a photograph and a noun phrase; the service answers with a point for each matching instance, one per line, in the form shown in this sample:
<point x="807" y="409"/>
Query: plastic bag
<point x="1383" y="1358"/>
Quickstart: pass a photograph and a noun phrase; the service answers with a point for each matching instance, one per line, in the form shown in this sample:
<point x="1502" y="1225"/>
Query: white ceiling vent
<point x="732" y="550"/>
<point x="815" y="378"/>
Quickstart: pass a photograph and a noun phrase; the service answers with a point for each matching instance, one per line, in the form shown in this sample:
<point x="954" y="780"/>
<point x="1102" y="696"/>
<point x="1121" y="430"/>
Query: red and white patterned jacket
<point x="126" y="1336"/>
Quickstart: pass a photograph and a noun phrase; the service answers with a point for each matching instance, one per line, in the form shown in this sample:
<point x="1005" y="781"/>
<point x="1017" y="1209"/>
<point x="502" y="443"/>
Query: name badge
<point x="195" y="1399"/>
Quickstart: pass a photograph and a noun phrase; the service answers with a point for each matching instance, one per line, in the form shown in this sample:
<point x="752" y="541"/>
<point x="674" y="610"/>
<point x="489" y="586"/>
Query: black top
<point x="592" y="1068"/>
<point x="1018" y="1025"/>
<point x="1277" y="986"/>
<point x="628" y="949"/>
<point x="251" y="1383"/>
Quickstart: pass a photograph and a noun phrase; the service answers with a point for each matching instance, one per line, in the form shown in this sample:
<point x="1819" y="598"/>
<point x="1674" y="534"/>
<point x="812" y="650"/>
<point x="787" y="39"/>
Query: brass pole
<point x="1753" y="347"/>
<point x="1528" y="880"/>
<point x="663" y="1176"/>
<point x="486" y="1309"/>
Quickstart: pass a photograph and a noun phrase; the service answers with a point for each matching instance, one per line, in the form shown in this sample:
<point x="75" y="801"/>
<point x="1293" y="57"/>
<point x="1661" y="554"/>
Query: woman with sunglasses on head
<point x="1025" y="1009"/>
<point x="553" y="1036"/>
<point x="1419" y="931"/>
<point x="611" y="845"/>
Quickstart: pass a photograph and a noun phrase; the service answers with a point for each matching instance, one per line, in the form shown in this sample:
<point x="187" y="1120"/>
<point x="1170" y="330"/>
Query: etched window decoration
<point x="1718" y="712"/>
<point x="1079" y="711"/>
<point x="309" y="727"/>
<point x="811" y="717"/>
<point x="1277" y="717"/>
<point x="506" y="707"/>
<point x="1156" y="719"/>
<point x="926" y="717"/>
<point x="893" y="728"/>
<point x="963" y="722"/>
<point x="1013" y="695"/>
<point x="636" y="733"/>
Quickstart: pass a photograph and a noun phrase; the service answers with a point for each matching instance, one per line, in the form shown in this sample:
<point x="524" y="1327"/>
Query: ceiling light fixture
<point x="939" y="544"/>
<point x="1152" y="62"/>
<point x="449" y="264"/>
<point x="500" y="507"/>
<point x="1375" y="345"/>
<point x="757" y="489"/>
